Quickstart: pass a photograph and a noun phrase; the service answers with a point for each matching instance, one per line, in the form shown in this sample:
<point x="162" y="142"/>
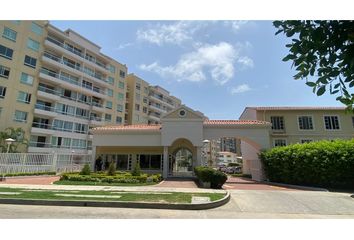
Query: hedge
<point x="215" y="177"/>
<point x="323" y="164"/>
<point x="118" y="178"/>
<point x="27" y="174"/>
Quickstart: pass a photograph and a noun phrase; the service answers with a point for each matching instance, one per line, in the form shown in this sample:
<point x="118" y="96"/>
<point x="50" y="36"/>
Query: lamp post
<point x="8" y="141"/>
<point x="210" y="160"/>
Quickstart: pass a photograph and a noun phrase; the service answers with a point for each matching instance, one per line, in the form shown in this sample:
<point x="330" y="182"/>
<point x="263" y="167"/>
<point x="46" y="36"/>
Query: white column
<point x="93" y="158"/>
<point x="199" y="157"/>
<point x="165" y="162"/>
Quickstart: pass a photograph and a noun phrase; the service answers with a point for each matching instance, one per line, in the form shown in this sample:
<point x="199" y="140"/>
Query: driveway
<point x="243" y="204"/>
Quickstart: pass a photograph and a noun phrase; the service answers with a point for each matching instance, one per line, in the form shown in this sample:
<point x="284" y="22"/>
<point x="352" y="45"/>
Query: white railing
<point x="38" y="162"/>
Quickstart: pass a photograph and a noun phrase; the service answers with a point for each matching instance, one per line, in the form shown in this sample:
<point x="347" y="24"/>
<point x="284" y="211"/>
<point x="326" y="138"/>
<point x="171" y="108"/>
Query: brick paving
<point x="177" y="184"/>
<point x="249" y="184"/>
<point x="43" y="180"/>
<point x="236" y="183"/>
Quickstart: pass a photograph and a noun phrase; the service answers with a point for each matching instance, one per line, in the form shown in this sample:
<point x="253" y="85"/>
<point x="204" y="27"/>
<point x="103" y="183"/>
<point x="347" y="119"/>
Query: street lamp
<point x="210" y="160"/>
<point x="9" y="141"/>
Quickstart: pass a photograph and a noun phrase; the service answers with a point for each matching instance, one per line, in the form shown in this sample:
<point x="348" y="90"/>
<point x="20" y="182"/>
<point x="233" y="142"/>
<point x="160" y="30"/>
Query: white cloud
<point x="240" y="89"/>
<point x="217" y="60"/>
<point x="174" y="33"/>
<point x="235" y="25"/>
<point x="123" y="45"/>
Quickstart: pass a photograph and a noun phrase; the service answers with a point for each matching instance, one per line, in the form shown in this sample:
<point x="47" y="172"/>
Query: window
<point x="112" y="69"/>
<point x="122" y="161"/>
<point x="145" y="100"/>
<point x="109" y="105"/>
<point x="4" y="72"/>
<point x="331" y="122"/>
<point x="136" y="118"/>
<point x="17" y="22"/>
<point x="305" y="123"/>
<point x="23" y="97"/>
<point x="277" y="123"/>
<point x="149" y="161"/>
<point x="110" y="92"/>
<point x="79" y="143"/>
<point x="0" y="111"/>
<point x="119" y="108"/>
<point x="120" y="96"/>
<point x="144" y="109"/>
<point x="146" y="90"/>
<point x="137" y="107"/>
<point x="279" y="142"/>
<point x="353" y="121"/>
<point x="121" y="74"/>
<point x="137" y="97"/>
<point x="137" y="86"/>
<point x="82" y="113"/>
<point x="81" y="128"/>
<point x="20" y="116"/>
<point x="2" y="92"/>
<point x="34" y="45"/>
<point x="30" y="61"/>
<point x="119" y="119"/>
<point x="6" y="52"/>
<point x="9" y="34"/>
<point x="36" y="29"/>
<point x="121" y="85"/>
<point x="26" y="79"/>
<point x="61" y="125"/>
<point x="306" y="140"/>
<point x="108" y="117"/>
<point x="110" y="80"/>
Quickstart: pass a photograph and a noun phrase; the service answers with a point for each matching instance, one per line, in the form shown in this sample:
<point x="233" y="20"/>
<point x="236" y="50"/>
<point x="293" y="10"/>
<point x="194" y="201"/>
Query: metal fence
<point x="38" y="162"/>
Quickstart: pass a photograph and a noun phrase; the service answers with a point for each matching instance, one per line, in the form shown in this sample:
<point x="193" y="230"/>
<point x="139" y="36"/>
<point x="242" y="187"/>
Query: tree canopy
<point x="15" y="133"/>
<point x="324" y="50"/>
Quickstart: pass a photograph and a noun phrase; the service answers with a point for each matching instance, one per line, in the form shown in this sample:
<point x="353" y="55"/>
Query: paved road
<point x="243" y="204"/>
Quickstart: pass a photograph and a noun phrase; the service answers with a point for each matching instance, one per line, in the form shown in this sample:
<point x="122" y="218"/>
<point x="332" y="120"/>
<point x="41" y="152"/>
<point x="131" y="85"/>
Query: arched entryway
<point x="182" y="158"/>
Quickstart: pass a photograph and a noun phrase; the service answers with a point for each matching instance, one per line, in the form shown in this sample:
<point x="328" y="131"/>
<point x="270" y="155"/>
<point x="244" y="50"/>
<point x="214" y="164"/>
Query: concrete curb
<point x="296" y="186"/>
<point x="117" y="204"/>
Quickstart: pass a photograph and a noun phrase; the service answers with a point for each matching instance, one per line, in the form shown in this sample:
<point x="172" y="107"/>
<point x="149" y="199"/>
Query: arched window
<point x="183" y="160"/>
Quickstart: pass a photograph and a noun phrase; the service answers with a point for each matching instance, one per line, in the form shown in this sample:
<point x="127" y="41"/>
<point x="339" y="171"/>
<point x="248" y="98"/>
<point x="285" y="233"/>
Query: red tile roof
<point x="234" y="122"/>
<point x="297" y="108"/>
<point x="157" y="127"/>
<point x="130" y="127"/>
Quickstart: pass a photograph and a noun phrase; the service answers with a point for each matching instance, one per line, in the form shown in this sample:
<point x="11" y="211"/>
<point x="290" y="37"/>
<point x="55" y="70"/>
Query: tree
<point x="18" y="134"/>
<point x="325" y="50"/>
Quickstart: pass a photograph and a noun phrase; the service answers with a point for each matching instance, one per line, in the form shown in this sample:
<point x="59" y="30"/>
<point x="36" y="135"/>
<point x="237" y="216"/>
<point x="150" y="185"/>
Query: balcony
<point x="96" y="121"/>
<point x="55" y="44"/>
<point x="46" y="111"/>
<point x="48" y="93"/>
<point x="161" y="100"/>
<point x="70" y="83"/>
<point x="42" y="129"/>
<point x="155" y="118"/>
<point x="78" y="70"/>
<point x="157" y="109"/>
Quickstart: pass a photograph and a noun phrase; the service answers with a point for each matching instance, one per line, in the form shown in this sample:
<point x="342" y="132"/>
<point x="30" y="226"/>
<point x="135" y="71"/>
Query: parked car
<point x="232" y="170"/>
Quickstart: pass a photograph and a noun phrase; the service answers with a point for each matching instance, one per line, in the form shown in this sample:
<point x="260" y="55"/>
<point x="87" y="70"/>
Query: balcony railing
<point x="56" y="128"/>
<point x="72" y="81"/>
<point x="55" y="110"/>
<point x="78" y="53"/>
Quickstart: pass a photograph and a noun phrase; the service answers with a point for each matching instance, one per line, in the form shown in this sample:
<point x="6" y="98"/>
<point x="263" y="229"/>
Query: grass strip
<point x="67" y="182"/>
<point x="155" y="197"/>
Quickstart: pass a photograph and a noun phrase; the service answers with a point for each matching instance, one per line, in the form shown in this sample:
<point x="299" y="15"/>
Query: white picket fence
<point x="38" y="162"/>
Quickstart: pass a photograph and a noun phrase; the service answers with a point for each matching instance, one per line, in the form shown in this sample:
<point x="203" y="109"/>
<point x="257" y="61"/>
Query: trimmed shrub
<point x="207" y="174"/>
<point x="136" y="170"/>
<point x="28" y="174"/>
<point x="111" y="169"/>
<point x="86" y="170"/>
<point x="323" y="164"/>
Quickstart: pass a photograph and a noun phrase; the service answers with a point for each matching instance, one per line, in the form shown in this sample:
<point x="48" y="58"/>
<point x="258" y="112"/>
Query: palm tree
<point x="18" y="134"/>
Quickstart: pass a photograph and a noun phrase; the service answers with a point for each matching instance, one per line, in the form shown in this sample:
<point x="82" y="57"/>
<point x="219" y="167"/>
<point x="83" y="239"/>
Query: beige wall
<point x="13" y="85"/>
<point x="294" y="135"/>
<point x="134" y="116"/>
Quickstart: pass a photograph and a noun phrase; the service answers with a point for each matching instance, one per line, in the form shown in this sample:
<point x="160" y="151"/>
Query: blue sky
<point x="216" y="67"/>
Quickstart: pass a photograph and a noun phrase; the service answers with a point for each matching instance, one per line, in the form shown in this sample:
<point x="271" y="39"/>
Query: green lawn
<point x="67" y="182"/>
<point x="158" y="197"/>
